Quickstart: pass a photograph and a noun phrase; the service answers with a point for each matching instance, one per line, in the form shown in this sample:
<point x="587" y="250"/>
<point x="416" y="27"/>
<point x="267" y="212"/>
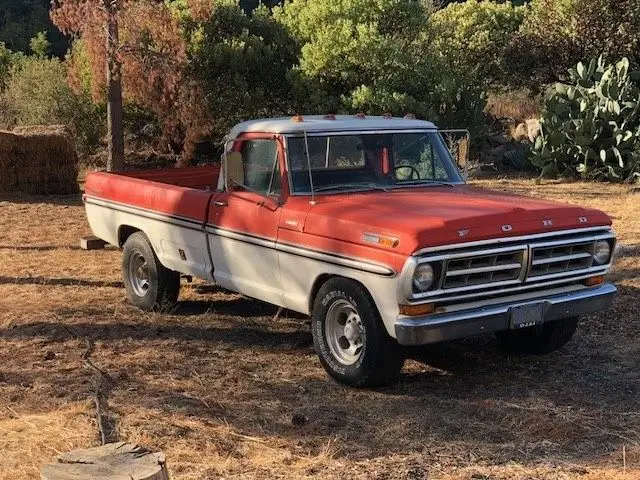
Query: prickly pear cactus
<point x="591" y="125"/>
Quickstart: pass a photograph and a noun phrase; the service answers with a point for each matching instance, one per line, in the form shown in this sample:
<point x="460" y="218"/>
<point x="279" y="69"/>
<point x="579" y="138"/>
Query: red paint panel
<point x="152" y="195"/>
<point x="194" y="177"/>
<point x="387" y="257"/>
<point x="245" y="211"/>
<point x="435" y="216"/>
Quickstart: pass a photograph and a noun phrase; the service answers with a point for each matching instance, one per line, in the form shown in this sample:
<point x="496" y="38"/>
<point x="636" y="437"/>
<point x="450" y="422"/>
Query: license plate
<point x="526" y="316"/>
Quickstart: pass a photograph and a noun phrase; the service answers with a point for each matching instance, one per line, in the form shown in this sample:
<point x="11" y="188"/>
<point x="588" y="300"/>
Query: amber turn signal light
<point x="590" y="282"/>
<point x="413" y="310"/>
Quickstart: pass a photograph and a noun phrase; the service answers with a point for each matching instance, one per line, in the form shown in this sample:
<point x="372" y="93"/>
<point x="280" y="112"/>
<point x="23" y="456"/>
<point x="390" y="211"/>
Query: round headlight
<point x="602" y="252"/>
<point x="423" y="277"/>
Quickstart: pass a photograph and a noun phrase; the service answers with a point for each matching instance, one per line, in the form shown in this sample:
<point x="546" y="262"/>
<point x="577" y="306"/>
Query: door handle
<point x="220" y="203"/>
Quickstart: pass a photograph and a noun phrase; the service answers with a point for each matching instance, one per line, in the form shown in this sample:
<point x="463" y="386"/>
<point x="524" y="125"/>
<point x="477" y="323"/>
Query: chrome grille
<point x="561" y="258"/>
<point x="492" y="267"/>
<point x="483" y="269"/>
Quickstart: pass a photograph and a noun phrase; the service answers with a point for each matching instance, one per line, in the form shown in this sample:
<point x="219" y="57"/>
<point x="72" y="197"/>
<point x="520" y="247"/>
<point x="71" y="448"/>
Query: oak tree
<point x="144" y="46"/>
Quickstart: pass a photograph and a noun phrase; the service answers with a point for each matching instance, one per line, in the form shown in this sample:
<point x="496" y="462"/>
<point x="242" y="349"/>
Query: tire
<point x="369" y="357"/>
<point x="545" y="338"/>
<point x="149" y="284"/>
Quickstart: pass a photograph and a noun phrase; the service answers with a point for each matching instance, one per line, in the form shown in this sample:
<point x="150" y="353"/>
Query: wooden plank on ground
<point x="112" y="461"/>
<point x="92" y="243"/>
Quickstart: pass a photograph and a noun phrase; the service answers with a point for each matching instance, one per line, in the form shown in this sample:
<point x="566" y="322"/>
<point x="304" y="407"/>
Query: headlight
<point x="423" y="277"/>
<point x="602" y="252"/>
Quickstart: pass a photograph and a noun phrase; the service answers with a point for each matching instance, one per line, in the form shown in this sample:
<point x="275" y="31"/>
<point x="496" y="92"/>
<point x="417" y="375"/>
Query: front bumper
<point x="494" y="318"/>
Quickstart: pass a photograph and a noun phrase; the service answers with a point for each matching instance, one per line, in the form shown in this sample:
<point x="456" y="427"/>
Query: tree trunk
<point x="115" y="159"/>
<point x="110" y="461"/>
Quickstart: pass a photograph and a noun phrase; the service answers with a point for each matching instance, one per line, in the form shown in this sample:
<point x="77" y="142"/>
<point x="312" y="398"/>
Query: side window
<point x="261" y="166"/>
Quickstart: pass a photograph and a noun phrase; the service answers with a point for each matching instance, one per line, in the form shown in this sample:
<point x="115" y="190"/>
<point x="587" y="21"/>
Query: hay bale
<point x="38" y="160"/>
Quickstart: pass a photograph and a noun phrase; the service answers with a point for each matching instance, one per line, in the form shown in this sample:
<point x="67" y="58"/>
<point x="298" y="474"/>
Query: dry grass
<point x="517" y="104"/>
<point x="30" y="440"/>
<point x="216" y="383"/>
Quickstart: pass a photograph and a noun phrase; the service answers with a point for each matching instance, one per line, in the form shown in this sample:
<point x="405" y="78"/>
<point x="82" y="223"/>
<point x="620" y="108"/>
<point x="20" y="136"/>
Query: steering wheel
<point x="410" y="167"/>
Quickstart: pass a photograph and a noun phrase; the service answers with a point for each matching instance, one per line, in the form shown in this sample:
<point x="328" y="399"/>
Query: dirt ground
<point x="226" y="391"/>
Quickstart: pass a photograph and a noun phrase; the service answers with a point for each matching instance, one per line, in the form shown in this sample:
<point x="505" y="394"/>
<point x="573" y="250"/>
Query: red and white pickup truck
<point x="366" y="224"/>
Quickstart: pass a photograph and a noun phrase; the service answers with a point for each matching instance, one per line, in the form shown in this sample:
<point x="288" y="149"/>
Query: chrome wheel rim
<point x="344" y="332"/>
<point x="138" y="274"/>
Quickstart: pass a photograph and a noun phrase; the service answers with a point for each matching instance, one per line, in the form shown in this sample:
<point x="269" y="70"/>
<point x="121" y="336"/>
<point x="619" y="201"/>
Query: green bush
<point x="37" y="94"/>
<point x="545" y="46"/>
<point x="556" y="34"/>
<point x="591" y="126"/>
<point x="241" y="64"/>
<point x="5" y="65"/>
<point x="376" y="56"/>
<point x="473" y="37"/>
<point x="610" y="28"/>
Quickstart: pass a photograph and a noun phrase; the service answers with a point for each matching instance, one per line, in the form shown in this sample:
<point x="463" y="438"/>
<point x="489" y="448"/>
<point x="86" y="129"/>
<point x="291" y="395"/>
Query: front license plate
<point x="527" y="316"/>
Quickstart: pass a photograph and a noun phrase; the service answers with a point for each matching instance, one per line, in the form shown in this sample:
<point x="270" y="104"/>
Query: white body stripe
<point x="276" y="273"/>
<point x="300" y="273"/>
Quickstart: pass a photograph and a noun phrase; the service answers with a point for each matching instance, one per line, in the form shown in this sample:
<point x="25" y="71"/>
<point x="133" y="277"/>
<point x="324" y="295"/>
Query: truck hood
<point x="432" y="216"/>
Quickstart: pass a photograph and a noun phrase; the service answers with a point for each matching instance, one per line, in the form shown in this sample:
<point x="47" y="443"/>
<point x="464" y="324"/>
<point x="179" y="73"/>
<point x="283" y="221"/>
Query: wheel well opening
<point x="324" y="278"/>
<point x="124" y="232"/>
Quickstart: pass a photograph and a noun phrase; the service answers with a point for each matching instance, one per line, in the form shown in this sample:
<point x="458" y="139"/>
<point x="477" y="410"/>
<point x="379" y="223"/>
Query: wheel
<point x="545" y="338"/>
<point x="150" y="286"/>
<point x="350" y="339"/>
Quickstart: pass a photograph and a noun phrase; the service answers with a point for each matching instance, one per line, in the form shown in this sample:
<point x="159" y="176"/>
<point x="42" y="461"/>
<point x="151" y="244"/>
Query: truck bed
<point x="179" y="192"/>
<point x="202" y="178"/>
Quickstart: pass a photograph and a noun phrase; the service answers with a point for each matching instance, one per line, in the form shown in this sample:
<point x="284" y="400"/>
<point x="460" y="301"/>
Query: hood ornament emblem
<point x="547" y="223"/>
<point x="463" y="233"/>
<point x="507" y="228"/>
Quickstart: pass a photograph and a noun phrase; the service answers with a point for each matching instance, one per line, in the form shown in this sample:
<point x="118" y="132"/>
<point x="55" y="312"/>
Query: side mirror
<point x="234" y="169"/>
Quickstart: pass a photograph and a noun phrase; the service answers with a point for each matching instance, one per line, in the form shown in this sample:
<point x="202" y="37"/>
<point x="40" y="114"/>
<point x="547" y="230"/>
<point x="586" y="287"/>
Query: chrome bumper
<point x="449" y="326"/>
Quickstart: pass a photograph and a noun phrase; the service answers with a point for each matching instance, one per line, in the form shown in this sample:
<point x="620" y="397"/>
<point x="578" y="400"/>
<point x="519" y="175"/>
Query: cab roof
<point x="327" y="123"/>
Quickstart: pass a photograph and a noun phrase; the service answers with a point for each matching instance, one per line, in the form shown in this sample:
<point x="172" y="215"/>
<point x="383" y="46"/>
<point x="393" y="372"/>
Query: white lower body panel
<point x="179" y="244"/>
<point x="259" y="268"/>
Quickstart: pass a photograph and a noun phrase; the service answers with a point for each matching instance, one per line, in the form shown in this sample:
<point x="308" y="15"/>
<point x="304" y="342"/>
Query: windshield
<point x="362" y="161"/>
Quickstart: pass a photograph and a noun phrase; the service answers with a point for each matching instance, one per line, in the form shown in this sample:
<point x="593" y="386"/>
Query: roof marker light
<point x="360" y="115"/>
<point x="387" y="115"/>
<point x="297" y="118"/>
<point x="330" y="116"/>
<point x="410" y="116"/>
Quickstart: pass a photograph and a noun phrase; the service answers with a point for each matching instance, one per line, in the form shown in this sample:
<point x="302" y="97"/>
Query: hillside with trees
<point x="193" y="68"/>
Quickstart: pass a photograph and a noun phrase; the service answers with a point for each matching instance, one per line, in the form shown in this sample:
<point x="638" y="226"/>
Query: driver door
<point x="243" y="223"/>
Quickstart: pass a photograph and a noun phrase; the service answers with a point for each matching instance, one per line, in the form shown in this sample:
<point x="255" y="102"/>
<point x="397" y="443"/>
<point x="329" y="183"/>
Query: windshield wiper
<point x="422" y="183"/>
<point x="351" y="186"/>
